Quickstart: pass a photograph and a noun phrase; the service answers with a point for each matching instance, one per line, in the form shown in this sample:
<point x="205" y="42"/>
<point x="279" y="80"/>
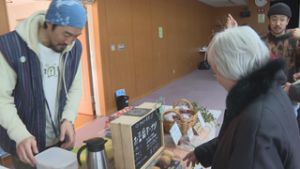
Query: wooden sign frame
<point x="121" y="130"/>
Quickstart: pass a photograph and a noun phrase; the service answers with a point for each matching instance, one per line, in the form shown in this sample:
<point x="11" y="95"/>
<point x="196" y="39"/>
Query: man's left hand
<point x="296" y="33"/>
<point x="67" y="129"/>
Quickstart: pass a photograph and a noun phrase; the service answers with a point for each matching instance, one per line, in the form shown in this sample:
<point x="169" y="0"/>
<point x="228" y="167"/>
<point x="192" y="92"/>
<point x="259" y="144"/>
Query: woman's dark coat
<point x="294" y="92"/>
<point x="259" y="130"/>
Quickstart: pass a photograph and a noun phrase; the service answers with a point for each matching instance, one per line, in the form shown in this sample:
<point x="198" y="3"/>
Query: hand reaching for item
<point x="67" y="129"/>
<point x="231" y="23"/>
<point x="287" y="87"/>
<point x="296" y="76"/>
<point x="25" y="150"/>
<point x="191" y="158"/>
<point x="296" y="33"/>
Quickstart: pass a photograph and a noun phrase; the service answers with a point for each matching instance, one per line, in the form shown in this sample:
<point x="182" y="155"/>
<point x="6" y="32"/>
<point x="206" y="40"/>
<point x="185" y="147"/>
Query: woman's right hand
<point x="287" y="88"/>
<point x="191" y="158"/>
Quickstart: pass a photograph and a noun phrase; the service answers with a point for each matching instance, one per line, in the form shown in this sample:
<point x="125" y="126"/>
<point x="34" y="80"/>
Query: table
<point x="208" y="133"/>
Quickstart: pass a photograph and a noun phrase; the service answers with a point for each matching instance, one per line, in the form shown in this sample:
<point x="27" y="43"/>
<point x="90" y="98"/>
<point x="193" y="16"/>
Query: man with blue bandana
<point x="41" y="82"/>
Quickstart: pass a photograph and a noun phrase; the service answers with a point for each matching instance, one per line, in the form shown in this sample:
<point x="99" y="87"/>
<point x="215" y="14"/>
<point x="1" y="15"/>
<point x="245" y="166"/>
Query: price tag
<point x="198" y="127"/>
<point x="201" y="119"/>
<point x="190" y="134"/>
<point x="175" y="133"/>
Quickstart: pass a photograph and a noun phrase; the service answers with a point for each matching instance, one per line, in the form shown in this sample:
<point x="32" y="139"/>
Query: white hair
<point x="237" y="52"/>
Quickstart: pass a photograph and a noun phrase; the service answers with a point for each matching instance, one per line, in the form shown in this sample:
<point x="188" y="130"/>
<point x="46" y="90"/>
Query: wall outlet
<point x="191" y="63"/>
<point x="173" y="71"/>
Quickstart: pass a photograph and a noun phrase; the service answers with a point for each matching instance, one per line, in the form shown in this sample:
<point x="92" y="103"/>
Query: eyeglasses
<point x="275" y="20"/>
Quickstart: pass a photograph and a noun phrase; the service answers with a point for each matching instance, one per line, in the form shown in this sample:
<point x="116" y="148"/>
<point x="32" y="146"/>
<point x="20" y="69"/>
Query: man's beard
<point x="277" y="33"/>
<point x="55" y="47"/>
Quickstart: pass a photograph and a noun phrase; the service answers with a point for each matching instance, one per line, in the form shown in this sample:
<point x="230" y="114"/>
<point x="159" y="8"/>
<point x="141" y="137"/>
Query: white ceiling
<point x="223" y="3"/>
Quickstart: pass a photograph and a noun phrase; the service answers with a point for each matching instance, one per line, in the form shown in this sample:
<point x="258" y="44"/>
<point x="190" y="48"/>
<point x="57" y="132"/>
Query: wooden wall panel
<point x="86" y="105"/>
<point x="96" y="13"/>
<point x="193" y="42"/>
<point x="203" y="25"/>
<point x="252" y="21"/>
<point x="182" y="14"/>
<point x="119" y="31"/>
<point x="4" y="26"/>
<point x="142" y="45"/>
<point x="102" y="56"/>
<point x="119" y="26"/>
<point x="171" y="35"/>
<point x="160" y="60"/>
<point x="147" y="62"/>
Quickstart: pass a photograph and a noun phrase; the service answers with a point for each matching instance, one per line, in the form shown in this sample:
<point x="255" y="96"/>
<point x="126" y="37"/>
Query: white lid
<point x="56" y="158"/>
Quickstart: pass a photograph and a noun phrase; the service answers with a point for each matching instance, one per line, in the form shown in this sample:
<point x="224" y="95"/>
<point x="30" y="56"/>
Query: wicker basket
<point x="183" y="124"/>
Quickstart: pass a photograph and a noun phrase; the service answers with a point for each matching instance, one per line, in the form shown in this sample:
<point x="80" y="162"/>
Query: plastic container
<point x="56" y="158"/>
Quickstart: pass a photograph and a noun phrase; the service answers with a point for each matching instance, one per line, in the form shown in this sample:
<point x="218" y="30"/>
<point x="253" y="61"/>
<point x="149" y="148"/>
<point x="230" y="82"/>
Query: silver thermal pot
<point x="95" y="155"/>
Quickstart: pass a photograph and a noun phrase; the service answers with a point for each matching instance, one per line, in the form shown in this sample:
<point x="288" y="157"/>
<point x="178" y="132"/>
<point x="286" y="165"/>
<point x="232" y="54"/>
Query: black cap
<point x="280" y="9"/>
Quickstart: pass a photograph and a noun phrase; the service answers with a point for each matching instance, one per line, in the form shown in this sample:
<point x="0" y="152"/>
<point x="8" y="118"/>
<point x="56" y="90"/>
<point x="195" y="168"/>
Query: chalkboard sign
<point x="146" y="136"/>
<point x="137" y="112"/>
<point x="137" y="140"/>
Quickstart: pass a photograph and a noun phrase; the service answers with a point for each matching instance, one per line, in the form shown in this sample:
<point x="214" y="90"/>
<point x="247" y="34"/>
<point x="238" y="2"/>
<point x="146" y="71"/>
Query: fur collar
<point x="251" y="87"/>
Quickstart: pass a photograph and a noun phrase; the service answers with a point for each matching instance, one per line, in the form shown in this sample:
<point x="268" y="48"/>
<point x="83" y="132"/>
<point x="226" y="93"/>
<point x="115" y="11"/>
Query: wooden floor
<point x="82" y="120"/>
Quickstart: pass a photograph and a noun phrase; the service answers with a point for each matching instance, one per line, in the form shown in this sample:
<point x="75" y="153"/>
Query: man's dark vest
<point x="29" y="93"/>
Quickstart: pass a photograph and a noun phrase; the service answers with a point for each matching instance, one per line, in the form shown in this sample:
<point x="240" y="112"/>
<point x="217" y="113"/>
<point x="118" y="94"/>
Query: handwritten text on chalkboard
<point x="146" y="135"/>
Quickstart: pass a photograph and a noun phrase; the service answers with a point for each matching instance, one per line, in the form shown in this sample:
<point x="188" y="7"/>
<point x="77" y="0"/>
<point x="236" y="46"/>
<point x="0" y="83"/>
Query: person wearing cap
<point x="41" y="82"/>
<point x="282" y="42"/>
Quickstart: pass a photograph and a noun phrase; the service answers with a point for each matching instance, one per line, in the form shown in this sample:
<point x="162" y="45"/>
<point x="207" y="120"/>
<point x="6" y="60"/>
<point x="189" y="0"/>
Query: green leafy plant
<point x="207" y="116"/>
<point x="161" y="108"/>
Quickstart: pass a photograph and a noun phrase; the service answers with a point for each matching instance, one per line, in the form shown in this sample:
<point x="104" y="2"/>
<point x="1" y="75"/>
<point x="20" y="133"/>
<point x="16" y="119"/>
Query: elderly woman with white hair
<point x="259" y="130"/>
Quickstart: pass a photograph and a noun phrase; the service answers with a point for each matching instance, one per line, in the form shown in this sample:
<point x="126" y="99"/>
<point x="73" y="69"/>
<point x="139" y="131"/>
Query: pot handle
<point x="79" y="152"/>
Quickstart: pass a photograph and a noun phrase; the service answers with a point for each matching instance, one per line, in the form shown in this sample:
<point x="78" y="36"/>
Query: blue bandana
<point x="66" y="13"/>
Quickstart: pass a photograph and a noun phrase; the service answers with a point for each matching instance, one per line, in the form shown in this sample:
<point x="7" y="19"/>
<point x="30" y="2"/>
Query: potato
<point x="165" y="160"/>
<point x="154" y="167"/>
<point x="168" y="153"/>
